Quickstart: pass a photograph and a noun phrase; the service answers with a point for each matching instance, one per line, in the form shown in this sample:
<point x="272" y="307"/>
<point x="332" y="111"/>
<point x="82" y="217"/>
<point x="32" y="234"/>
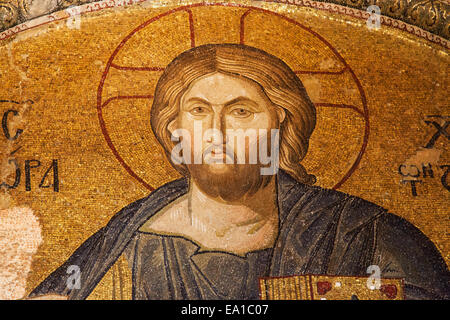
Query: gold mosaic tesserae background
<point x="83" y="95"/>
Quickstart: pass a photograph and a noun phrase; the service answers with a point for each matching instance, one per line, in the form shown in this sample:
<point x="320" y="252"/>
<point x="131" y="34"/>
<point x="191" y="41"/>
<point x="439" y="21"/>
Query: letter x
<point x="440" y="131"/>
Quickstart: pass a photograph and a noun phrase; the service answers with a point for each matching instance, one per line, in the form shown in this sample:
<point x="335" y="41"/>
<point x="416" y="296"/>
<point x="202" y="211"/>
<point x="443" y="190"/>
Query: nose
<point x="218" y="135"/>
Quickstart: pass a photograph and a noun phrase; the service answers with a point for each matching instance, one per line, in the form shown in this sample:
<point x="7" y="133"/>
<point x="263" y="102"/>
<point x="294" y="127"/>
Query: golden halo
<point x="126" y="89"/>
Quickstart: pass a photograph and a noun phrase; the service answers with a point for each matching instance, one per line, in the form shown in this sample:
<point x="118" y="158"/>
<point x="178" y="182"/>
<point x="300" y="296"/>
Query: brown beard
<point x="235" y="184"/>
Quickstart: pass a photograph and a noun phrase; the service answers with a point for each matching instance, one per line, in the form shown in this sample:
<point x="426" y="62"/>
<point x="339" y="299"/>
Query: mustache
<point x="224" y="148"/>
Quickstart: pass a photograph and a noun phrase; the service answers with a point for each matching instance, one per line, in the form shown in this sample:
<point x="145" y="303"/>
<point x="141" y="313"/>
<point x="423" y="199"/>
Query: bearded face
<point x="227" y="126"/>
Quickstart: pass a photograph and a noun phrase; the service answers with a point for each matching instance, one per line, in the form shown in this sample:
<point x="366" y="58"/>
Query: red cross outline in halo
<point x="100" y="105"/>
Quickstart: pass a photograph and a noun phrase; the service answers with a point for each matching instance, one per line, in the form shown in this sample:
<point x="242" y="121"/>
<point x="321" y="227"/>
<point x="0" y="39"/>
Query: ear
<point x="281" y="114"/>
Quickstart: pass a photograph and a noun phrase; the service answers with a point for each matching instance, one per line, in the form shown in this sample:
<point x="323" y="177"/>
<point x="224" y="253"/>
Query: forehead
<point x="219" y="88"/>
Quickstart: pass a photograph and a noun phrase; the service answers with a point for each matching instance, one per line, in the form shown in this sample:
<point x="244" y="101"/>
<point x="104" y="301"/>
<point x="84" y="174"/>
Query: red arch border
<point x="186" y="8"/>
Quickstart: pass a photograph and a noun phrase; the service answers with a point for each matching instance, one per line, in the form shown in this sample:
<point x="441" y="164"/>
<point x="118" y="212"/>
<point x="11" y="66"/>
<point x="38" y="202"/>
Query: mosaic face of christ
<point x="214" y="108"/>
<point x="231" y="86"/>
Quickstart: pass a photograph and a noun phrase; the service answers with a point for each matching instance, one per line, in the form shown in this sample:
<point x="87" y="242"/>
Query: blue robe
<point x="321" y="232"/>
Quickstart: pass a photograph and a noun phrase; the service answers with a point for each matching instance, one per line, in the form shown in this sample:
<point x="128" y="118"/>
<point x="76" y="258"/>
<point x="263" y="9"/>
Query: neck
<point x="256" y="209"/>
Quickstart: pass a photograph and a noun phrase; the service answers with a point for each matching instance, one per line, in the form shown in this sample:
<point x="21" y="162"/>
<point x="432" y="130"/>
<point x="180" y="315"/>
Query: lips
<point x="217" y="152"/>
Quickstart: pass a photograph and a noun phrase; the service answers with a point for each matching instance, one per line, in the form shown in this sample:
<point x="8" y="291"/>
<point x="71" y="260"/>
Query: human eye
<point x="241" y="112"/>
<point x="198" y="110"/>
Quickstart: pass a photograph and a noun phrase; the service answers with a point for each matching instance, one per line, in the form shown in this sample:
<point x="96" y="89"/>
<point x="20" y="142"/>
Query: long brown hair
<point x="279" y="82"/>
